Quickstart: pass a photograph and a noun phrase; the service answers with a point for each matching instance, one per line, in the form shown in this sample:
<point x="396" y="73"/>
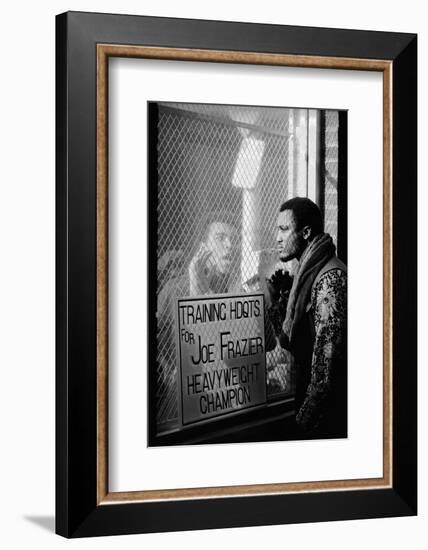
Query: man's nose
<point x="227" y="243"/>
<point x="279" y="237"/>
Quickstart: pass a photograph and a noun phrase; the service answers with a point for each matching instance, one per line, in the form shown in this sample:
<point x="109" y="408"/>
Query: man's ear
<point x="307" y="232"/>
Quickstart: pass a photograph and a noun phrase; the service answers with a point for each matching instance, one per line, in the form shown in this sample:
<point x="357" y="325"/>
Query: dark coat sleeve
<point x="329" y="305"/>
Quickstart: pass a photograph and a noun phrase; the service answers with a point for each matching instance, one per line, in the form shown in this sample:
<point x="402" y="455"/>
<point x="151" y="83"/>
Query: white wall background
<point x="27" y="276"/>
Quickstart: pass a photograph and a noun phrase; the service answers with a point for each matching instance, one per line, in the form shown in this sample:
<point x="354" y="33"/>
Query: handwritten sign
<point x="221" y="355"/>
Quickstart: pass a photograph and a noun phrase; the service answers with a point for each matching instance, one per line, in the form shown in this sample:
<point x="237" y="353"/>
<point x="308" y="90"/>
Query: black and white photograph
<point x="250" y="273"/>
<point x="214" y="256"/>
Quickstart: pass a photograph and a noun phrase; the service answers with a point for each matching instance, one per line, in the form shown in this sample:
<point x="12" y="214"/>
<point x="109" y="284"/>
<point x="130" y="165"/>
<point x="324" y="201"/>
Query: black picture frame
<point x="79" y="512"/>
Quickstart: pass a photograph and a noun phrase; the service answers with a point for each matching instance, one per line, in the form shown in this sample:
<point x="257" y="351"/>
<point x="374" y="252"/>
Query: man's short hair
<point x="217" y="216"/>
<point x="305" y="213"/>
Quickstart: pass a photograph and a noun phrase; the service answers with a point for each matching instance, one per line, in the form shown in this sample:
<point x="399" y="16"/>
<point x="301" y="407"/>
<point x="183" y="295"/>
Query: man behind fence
<point x="314" y="327"/>
<point x="210" y="271"/>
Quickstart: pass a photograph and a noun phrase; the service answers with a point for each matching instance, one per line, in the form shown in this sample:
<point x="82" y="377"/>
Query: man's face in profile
<point x="290" y="241"/>
<point x="219" y="243"/>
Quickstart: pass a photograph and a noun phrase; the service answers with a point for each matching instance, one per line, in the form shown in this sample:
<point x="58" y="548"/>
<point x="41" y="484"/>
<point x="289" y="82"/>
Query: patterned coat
<point x="320" y="352"/>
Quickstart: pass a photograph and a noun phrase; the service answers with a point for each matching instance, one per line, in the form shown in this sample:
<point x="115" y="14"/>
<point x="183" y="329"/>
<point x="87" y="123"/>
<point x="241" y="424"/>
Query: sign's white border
<point x="132" y="465"/>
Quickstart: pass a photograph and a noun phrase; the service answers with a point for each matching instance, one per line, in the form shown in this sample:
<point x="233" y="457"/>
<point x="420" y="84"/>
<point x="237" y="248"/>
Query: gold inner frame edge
<point x="104" y="51"/>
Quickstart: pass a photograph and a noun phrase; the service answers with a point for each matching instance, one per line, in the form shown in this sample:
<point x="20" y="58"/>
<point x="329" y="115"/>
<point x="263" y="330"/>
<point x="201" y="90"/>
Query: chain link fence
<point x="232" y="165"/>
